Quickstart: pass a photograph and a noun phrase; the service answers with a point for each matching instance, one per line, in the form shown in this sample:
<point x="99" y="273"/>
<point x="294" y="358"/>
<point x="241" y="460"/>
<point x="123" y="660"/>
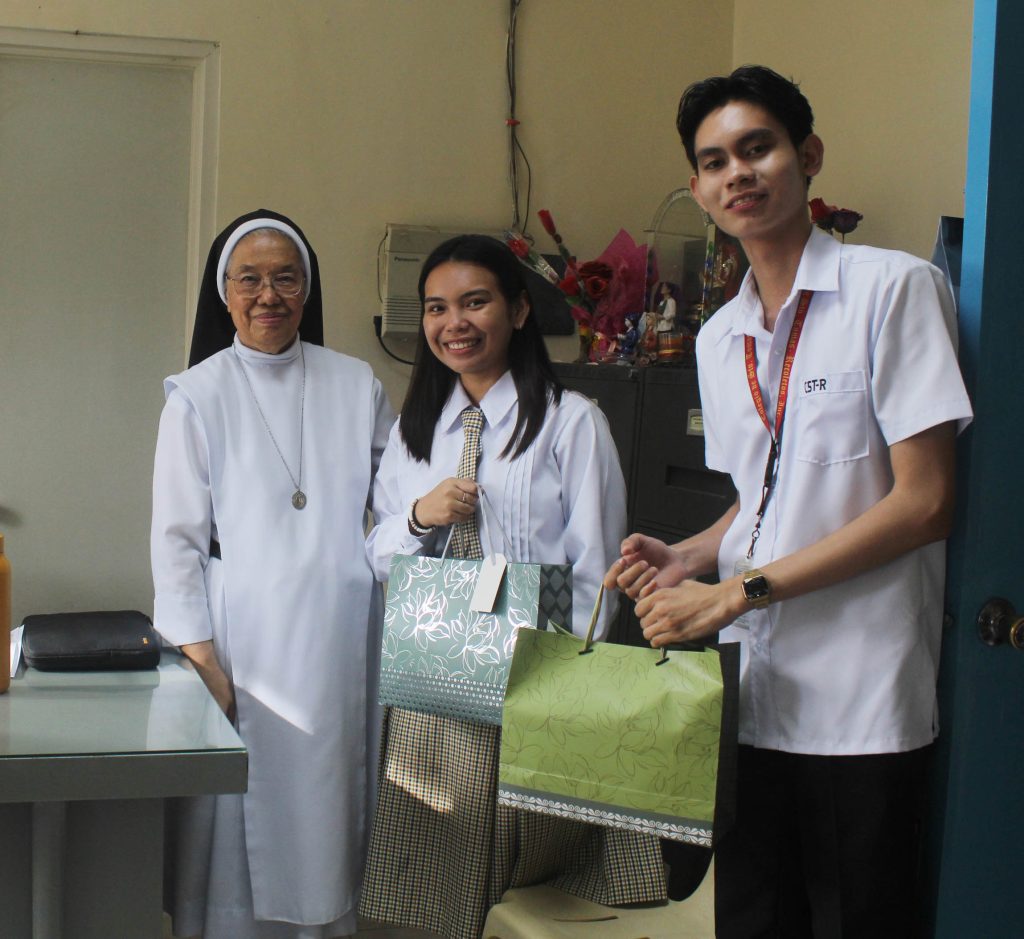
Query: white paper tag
<point x="742" y="566"/>
<point x="488" y="583"/>
<point x="16" y="649"/>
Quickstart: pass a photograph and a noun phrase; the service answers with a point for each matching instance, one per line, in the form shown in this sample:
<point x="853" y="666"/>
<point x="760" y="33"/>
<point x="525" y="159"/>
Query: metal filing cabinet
<point x="618" y="391"/>
<point x="655" y="420"/>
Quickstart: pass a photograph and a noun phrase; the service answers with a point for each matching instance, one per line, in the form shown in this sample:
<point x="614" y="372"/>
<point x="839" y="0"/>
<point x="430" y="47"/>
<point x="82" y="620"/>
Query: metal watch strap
<point x="757" y="602"/>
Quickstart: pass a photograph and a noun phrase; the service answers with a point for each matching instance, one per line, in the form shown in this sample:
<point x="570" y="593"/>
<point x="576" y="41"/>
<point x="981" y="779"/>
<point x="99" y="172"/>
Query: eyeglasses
<point x="285" y="284"/>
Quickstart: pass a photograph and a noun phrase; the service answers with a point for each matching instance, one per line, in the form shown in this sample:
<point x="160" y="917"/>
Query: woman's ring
<point x="463" y="498"/>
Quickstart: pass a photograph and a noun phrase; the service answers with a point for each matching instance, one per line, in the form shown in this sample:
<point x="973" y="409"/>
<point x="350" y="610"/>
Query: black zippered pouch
<point x="96" y="641"/>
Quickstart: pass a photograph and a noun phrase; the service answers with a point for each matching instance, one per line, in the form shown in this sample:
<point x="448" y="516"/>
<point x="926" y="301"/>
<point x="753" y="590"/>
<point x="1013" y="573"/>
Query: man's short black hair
<point x="759" y="85"/>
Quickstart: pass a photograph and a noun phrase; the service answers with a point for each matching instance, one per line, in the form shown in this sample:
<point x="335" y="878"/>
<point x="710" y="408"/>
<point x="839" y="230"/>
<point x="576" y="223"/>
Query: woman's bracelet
<point x="415" y="527"/>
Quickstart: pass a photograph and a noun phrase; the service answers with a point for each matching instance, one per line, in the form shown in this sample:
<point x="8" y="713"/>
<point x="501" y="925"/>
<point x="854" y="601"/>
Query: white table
<point x="86" y="762"/>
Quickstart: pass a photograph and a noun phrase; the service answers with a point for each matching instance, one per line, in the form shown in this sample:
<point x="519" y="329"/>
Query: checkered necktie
<point x="466" y="537"/>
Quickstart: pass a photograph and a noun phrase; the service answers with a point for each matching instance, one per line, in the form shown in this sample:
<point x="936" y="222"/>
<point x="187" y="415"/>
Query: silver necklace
<point x="298" y="497"/>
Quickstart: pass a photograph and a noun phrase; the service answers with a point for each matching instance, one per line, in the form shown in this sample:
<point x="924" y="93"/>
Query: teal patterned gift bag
<point x="440" y="657"/>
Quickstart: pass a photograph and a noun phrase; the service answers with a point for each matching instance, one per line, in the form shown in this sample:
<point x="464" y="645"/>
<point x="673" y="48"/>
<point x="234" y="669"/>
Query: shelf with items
<point x="699" y="266"/>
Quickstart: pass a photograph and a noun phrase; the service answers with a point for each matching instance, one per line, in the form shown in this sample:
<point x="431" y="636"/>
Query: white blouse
<point x="562" y="501"/>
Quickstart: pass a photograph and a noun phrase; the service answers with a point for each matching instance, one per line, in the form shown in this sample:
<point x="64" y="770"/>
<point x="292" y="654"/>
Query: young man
<point x="831" y="396"/>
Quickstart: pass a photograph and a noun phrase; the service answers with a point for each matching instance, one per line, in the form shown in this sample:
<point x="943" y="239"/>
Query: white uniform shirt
<point x="847" y="669"/>
<point x="562" y="501"/>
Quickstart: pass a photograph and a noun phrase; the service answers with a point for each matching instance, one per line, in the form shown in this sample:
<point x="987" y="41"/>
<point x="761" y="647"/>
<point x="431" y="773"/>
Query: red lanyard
<point x="750" y="356"/>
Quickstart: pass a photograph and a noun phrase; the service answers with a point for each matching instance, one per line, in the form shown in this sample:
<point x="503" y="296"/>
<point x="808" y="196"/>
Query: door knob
<point x="998" y="622"/>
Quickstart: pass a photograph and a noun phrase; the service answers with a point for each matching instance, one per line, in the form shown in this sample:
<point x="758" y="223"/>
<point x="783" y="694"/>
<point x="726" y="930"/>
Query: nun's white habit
<point x="293" y="612"/>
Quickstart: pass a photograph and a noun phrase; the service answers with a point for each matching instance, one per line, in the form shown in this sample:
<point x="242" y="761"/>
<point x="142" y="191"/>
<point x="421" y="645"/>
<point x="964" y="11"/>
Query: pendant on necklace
<point x="299" y="499"/>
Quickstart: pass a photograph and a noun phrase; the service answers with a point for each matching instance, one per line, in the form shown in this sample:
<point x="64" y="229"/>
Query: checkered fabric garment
<point x="442" y="852"/>
<point x="466" y="537"/>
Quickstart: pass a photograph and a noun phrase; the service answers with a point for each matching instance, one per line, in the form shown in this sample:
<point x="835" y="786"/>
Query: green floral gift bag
<point x="622" y="736"/>
<point x="438" y="655"/>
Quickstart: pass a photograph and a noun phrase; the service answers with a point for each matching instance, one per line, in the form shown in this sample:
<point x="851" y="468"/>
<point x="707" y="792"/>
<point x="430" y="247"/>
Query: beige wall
<point x="348" y="114"/>
<point x="889" y="83"/>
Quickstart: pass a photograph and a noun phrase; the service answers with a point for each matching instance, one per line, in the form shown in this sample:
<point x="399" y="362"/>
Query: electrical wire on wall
<point x="516" y="158"/>
<point x="520" y="220"/>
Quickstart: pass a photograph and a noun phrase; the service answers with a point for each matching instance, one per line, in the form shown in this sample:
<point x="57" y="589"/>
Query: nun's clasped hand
<point x="451" y="500"/>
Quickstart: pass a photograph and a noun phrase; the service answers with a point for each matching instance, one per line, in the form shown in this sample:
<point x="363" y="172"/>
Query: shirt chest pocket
<point x="833" y="418"/>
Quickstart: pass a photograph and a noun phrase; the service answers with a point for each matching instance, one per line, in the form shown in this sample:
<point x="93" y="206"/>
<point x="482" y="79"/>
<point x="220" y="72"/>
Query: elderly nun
<point x="265" y="458"/>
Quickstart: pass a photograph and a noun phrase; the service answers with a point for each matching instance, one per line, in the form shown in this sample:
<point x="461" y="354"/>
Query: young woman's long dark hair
<point x="432" y="381"/>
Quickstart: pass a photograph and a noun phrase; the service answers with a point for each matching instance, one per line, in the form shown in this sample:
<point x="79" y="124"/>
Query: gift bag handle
<point x="485" y="508"/>
<point x="589" y="641"/>
<point x="488" y="509"/>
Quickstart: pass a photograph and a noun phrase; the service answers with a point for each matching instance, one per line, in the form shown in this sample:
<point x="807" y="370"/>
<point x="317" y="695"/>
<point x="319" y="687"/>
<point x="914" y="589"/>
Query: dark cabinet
<point x="670" y="489"/>
<point x="655" y="420"/>
<point x="618" y="392"/>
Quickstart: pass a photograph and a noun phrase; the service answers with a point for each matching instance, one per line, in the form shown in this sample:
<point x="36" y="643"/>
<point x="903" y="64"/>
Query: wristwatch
<point x="757" y="589"/>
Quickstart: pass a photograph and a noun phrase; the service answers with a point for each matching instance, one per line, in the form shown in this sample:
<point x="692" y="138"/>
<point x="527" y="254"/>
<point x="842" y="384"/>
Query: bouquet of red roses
<point x="601" y="292"/>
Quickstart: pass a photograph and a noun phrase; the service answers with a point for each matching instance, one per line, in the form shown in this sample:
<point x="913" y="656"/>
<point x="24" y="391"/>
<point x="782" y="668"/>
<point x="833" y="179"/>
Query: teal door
<point x="976" y="858"/>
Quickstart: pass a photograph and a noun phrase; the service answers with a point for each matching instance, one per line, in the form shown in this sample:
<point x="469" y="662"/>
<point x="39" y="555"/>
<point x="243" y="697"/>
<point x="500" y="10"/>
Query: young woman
<point x="442" y="851"/>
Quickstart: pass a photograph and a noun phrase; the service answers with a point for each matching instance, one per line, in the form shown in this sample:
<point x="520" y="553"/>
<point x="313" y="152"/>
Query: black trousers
<point x="824" y="847"/>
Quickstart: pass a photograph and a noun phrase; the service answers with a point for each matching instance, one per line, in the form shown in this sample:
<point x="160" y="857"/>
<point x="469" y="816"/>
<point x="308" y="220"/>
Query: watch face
<point x="756" y="588"/>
